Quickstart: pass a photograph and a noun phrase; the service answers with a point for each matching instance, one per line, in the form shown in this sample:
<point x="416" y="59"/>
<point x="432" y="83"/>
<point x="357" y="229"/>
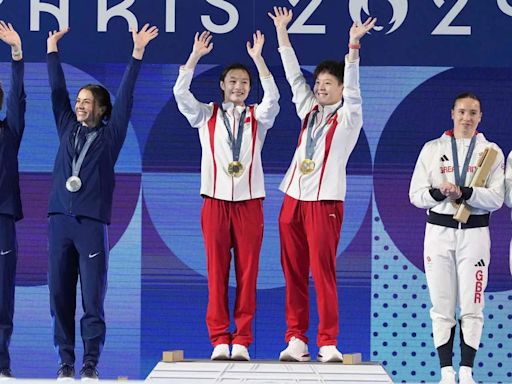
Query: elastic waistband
<point x="474" y="221"/>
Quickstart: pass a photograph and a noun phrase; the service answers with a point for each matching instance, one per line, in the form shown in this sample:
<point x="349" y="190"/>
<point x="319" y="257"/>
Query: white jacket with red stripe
<point x="216" y="182"/>
<point x="338" y="139"/>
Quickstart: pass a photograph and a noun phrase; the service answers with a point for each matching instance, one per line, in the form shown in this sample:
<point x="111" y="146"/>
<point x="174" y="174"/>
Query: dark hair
<point x="467" y="95"/>
<point x="1" y="96"/>
<point x="332" y="67"/>
<point x="101" y="95"/>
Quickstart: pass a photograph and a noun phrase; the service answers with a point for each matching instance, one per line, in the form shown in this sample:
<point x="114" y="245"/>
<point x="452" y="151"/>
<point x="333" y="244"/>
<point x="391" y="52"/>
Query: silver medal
<point x="73" y="184"/>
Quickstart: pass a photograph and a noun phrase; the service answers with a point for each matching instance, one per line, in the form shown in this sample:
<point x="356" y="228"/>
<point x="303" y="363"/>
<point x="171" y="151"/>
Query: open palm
<point x="281" y="17"/>
<point x="358" y="31"/>
<point x="202" y="43"/>
<point x="258" y="39"/>
<point x="144" y="36"/>
<point x="8" y="35"/>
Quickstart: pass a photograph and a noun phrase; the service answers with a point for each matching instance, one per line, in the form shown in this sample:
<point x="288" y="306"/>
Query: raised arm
<point x="61" y="104"/>
<point x="10" y="37"/>
<point x="303" y="96"/>
<point x="353" y="112"/>
<point x="254" y="51"/>
<point x="356" y="33"/>
<point x="268" y="108"/>
<point x="141" y="39"/>
<point x="53" y="40"/>
<point x="281" y="17"/>
<point x="122" y="108"/>
<point x="16" y="99"/>
<point x="196" y="113"/>
<point x="202" y="46"/>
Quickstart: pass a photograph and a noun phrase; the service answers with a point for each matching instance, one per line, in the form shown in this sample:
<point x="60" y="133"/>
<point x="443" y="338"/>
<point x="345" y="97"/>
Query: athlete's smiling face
<point x="88" y="112"/>
<point x="466" y="116"/>
<point x="236" y="86"/>
<point x="328" y="89"/>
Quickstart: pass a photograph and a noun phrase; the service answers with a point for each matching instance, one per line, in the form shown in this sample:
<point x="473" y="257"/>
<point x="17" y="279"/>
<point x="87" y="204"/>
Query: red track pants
<point x="310" y="232"/>
<point x="226" y="225"/>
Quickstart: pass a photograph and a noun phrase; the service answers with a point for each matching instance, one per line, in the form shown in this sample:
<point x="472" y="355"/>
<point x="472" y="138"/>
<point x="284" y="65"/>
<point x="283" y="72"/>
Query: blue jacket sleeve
<point x="16" y="101"/>
<point x="61" y="105"/>
<point x="122" y="108"/>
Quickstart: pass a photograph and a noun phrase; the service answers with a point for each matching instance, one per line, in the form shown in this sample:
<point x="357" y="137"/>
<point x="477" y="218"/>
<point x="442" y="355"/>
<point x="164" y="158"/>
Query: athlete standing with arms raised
<point x="80" y="206"/>
<point x="232" y="185"/>
<point x="315" y="188"/>
<point x="11" y="132"/>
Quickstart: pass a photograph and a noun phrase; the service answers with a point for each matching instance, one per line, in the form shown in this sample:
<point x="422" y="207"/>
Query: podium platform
<point x="266" y="372"/>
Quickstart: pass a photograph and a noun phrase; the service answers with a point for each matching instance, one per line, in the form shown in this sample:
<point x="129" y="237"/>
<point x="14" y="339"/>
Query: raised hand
<point x="358" y="31"/>
<point x="144" y="36"/>
<point x="202" y="44"/>
<point x="8" y="35"/>
<point x="258" y="39"/>
<point x="55" y="36"/>
<point x="281" y="17"/>
<point x="53" y="39"/>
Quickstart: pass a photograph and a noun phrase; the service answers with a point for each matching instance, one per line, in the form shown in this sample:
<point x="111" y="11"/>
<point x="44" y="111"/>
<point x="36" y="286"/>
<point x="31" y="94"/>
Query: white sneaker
<point x="297" y="350"/>
<point x="329" y="354"/>
<point x="240" y="353"/>
<point x="220" y="352"/>
<point x="447" y="375"/>
<point x="466" y="375"/>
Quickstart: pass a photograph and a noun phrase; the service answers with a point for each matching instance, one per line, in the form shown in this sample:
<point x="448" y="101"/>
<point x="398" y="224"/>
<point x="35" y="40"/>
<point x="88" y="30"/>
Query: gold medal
<point x="307" y="166"/>
<point x="235" y="168"/>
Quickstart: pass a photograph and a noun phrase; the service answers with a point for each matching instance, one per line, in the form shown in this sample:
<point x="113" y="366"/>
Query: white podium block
<point x="266" y="372"/>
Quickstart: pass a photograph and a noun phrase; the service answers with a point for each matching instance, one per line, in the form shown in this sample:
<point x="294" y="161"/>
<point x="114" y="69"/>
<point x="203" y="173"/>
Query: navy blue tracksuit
<point x="11" y="132"/>
<point x="78" y="241"/>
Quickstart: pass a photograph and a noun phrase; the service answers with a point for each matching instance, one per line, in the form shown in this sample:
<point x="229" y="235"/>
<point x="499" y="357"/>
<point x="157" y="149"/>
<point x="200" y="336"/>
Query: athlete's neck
<point x="463" y="134"/>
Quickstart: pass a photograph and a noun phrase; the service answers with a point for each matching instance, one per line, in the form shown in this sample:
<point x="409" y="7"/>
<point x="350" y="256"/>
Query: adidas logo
<point x="481" y="263"/>
<point x="445" y="158"/>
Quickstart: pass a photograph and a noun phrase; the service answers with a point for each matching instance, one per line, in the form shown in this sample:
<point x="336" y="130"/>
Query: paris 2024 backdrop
<point x="418" y="57"/>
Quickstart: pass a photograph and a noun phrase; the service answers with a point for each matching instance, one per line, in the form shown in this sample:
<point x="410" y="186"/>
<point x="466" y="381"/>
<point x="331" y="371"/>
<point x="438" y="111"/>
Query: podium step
<point x="266" y="372"/>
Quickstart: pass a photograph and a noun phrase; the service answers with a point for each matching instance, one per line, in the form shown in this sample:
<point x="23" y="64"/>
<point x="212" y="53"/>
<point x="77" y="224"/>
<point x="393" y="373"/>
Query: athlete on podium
<point x="80" y="205"/>
<point x="232" y="185"/>
<point x="11" y="132"/>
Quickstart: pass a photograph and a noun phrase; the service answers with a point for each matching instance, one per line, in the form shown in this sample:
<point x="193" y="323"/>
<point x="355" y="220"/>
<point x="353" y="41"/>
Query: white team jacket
<point x="508" y="182"/>
<point x="435" y="165"/>
<point x="339" y="137"/>
<point x="216" y="151"/>
<point x="508" y="195"/>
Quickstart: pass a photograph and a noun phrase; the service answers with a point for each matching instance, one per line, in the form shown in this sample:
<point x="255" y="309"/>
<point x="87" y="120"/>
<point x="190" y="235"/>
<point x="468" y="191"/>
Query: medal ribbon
<point x="235" y="144"/>
<point x="311" y="141"/>
<point x="78" y="159"/>
<point x="460" y="177"/>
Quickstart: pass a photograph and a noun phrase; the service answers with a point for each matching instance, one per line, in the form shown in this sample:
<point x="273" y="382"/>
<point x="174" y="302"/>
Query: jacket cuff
<point x="467" y="192"/>
<point x="436" y="194"/>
